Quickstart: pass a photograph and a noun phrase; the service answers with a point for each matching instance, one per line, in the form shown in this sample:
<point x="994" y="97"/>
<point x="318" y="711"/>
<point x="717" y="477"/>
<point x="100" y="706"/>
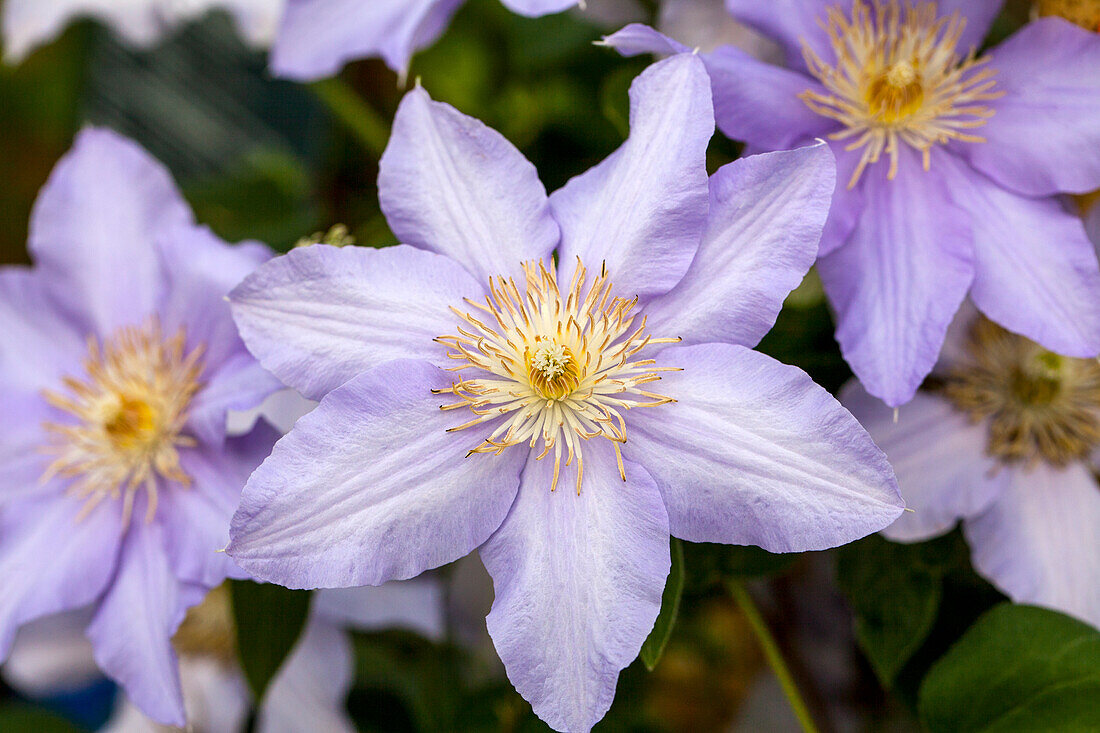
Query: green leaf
<point x="1019" y="668"/>
<point x="895" y="591"/>
<point x="709" y="564"/>
<point x="655" y="643"/>
<point x="269" y="620"/>
<point x="21" y="718"/>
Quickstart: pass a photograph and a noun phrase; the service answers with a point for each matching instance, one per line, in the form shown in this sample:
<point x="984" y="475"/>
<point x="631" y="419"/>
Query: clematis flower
<point x="949" y="165"/>
<point x="28" y="24"/>
<point x="119" y="361"/>
<point x="52" y="656"/>
<point x="317" y="37"/>
<point x="578" y="413"/>
<point x="1006" y="442"/>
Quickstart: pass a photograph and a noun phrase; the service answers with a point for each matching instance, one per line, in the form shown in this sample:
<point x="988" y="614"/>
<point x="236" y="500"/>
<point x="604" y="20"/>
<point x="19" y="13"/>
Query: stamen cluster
<point x="130" y="411"/>
<point x="552" y="367"/>
<point x="898" y="79"/>
<point x="1040" y="405"/>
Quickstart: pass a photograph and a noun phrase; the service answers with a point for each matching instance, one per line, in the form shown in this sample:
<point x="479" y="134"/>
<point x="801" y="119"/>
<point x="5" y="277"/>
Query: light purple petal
<point x="321" y="315"/>
<point x="132" y="630"/>
<point x="979" y="15"/>
<point x="415" y="604"/>
<point x="49" y="561"/>
<point x="94" y="225"/>
<point x="766" y="216"/>
<point x="637" y="38"/>
<point x="317" y="37"/>
<point x="643" y="209"/>
<point x="1044" y="137"/>
<point x="900" y="278"/>
<point x="847" y="205"/>
<point x="1040" y="542"/>
<point x="1036" y="272"/>
<point x="534" y="8"/>
<point x="39" y="345"/>
<point x="758" y="102"/>
<point x="199" y="271"/>
<point x="939" y="458"/>
<point x="449" y="184"/>
<point x="309" y="691"/>
<point x="754" y="453"/>
<point x="788" y="21"/>
<point x="196" y="518"/>
<point x="707" y="25"/>
<point x="280" y="410"/>
<point x="370" y="487"/>
<point x="578" y="583"/>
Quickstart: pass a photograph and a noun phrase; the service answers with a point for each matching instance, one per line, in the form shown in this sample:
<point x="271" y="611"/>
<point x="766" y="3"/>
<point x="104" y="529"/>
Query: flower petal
<point x="200" y="270"/>
<point x="309" y="691"/>
<point x="1043" y="138"/>
<point x="321" y="315"/>
<point x="449" y="184"/>
<point x="643" y="209"/>
<point x="415" y="604"/>
<point x="94" y="225"/>
<point x="534" y="8"/>
<point x="638" y="38"/>
<point x="939" y="458"/>
<point x="1036" y="272"/>
<point x="900" y="278"/>
<point x="28" y="24"/>
<point x="51" y="656"/>
<point x="979" y="16"/>
<point x="791" y="22"/>
<point x="707" y="25"/>
<point x="1092" y="225"/>
<point x="766" y="216"/>
<point x="39" y="344"/>
<point x="371" y="487"/>
<point x="754" y="453"/>
<point x="133" y="627"/>
<point x="196" y="518"/>
<point x="49" y="561"/>
<point x="578" y="582"/>
<point x="758" y="102"/>
<point x="317" y="37"/>
<point x="1040" y="542"/>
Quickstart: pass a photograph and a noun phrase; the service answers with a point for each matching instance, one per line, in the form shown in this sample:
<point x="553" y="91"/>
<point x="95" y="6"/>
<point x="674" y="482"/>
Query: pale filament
<point x="552" y="368"/>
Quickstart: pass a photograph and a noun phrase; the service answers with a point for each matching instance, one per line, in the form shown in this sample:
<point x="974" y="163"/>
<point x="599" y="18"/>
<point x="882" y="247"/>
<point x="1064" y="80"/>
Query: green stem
<point x="368" y="127"/>
<point x="773" y="655"/>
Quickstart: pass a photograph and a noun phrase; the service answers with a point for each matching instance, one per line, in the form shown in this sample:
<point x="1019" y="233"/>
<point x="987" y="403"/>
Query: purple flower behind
<point x="949" y="164"/>
<point x="317" y="37"/>
<point x="119" y="361"/>
<point x="581" y="411"/>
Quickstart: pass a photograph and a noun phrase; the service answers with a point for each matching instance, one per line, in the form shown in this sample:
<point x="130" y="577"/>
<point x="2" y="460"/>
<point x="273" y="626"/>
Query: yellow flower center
<point x="898" y="79"/>
<point x="552" y="367"/>
<point x="1040" y="405"/>
<point x="130" y="411"/>
<point x="1085" y="13"/>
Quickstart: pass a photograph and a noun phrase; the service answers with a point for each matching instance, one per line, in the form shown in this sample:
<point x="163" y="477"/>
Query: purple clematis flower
<point x="1007" y="440"/>
<point x="317" y="37"/>
<point x="534" y="432"/>
<point x="119" y="361"/>
<point x="948" y="162"/>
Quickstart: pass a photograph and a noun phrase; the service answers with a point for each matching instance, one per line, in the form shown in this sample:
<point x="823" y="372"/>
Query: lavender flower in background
<point x="948" y="163"/>
<point x="28" y="24"/>
<point x="1007" y="443"/>
<point x="405" y="466"/>
<point x="706" y="25"/>
<point x="119" y="363"/>
<point x="308" y="693"/>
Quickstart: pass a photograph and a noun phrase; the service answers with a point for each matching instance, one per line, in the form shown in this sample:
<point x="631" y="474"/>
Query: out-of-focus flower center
<point x="1040" y="405"/>
<point x="208" y="629"/>
<point x="129" y="412"/>
<point x="552" y="367"/>
<point x="1085" y="13"/>
<point x="898" y="80"/>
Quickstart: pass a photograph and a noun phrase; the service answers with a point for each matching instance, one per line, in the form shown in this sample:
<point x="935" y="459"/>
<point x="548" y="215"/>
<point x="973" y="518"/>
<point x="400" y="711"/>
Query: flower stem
<point x="773" y="654"/>
<point x="360" y="119"/>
